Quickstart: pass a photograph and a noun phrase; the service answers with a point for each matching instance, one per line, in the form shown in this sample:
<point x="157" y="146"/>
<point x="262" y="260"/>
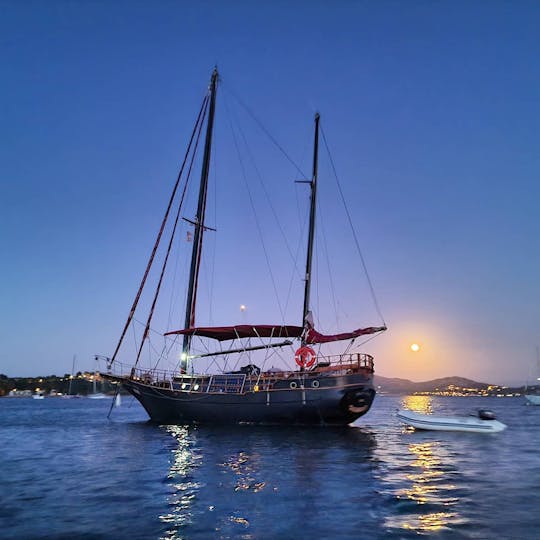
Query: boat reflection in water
<point x="427" y="494"/>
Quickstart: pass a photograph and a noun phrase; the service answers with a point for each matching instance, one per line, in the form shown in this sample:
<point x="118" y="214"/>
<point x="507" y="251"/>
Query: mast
<point x="312" y="211"/>
<point x="199" y="225"/>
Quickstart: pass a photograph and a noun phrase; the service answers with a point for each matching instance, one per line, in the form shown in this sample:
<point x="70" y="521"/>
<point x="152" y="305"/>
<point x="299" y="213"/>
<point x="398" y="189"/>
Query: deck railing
<point x="349" y="362"/>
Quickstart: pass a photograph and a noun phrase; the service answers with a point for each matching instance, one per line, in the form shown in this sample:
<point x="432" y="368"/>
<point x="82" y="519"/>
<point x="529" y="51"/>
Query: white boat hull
<point x="449" y="423"/>
<point x="533" y="399"/>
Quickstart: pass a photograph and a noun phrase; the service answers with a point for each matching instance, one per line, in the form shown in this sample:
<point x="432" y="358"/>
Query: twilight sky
<point x="432" y="114"/>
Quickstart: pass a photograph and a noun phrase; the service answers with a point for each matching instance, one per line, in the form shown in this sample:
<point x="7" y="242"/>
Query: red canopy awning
<point x="224" y="333"/>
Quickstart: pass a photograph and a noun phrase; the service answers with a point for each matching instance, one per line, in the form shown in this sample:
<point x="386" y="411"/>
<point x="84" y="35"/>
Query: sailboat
<point x="317" y="389"/>
<point x="70" y="394"/>
<point x="532" y="394"/>
<point x="95" y="394"/>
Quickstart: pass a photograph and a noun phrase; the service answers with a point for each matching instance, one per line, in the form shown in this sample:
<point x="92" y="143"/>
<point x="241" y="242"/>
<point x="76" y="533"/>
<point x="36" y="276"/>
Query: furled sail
<point x="313" y="337"/>
<point x="225" y="333"/>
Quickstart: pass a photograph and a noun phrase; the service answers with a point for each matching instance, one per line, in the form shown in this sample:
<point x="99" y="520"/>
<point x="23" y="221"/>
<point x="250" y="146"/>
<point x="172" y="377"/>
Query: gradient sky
<point x="432" y="112"/>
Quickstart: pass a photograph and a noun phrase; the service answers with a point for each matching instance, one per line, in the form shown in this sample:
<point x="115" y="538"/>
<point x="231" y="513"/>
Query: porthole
<point x="293" y="385"/>
<point x="315" y="384"/>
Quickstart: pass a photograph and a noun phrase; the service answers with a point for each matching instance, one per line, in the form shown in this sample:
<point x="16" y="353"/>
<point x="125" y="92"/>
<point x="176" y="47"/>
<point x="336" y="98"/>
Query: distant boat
<point x="40" y="394"/>
<point x="69" y="395"/>
<point x="532" y="394"/>
<point x="484" y="422"/>
<point x="95" y="394"/>
<point x="533" y="399"/>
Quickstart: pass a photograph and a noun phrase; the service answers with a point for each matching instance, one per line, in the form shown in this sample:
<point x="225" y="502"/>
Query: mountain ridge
<point x="397" y="385"/>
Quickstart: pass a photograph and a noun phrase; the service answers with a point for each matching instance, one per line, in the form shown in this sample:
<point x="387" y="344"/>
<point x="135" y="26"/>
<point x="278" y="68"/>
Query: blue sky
<point x="432" y="113"/>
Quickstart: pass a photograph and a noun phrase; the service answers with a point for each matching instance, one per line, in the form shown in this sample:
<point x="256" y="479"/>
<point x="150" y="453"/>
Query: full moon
<point x="415" y="347"/>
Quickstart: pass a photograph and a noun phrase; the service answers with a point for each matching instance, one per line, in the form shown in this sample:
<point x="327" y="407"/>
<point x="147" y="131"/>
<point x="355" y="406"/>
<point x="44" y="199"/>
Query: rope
<point x="371" y="288"/>
<point x="269" y="201"/>
<point x="158" y="239"/>
<point x="255" y="215"/>
<point x="169" y="247"/>
<point x="265" y="131"/>
<point x="327" y="257"/>
<point x="184" y="191"/>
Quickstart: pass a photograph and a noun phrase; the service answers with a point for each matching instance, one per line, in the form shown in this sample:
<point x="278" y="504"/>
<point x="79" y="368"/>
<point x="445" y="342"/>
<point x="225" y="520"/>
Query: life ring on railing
<point x="305" y="357"/>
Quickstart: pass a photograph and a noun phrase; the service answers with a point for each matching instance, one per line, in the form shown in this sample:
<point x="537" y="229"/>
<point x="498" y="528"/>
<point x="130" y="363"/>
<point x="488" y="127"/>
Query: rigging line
<point x="317" y="283"/>
<point x="134" y="336"/>
<point x="327" y="257"/>
<point x="158" y="239"/>
<point x="169" y="247"/>
<point x="156" y="295"/>
<point x="214" y="244"/>
<point x="173" y="287"/>
<point x="377" y="334"/>
<point x="263" y="128"/>
<point x="268" y="199"/>
<point x="188" y="176"/>
<point x="255" y="215"/>
<point x="372" y="289"/>
<point x="298" y="247"/>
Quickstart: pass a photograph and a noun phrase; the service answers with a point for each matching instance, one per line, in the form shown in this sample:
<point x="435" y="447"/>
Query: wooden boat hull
<point x="449" y="423"/>
<point x="335" y="400"/>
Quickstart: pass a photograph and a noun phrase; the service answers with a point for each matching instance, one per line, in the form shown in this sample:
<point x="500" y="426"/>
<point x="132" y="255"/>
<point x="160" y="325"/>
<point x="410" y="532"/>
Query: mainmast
<point x="199" y="226"/>
<point x="311" y="236"/>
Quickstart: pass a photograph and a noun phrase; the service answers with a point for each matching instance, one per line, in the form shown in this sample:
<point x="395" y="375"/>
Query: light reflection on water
<point x="420" y="404"/>
<point x="418" y="472"/>
<point x="184" y="489"/>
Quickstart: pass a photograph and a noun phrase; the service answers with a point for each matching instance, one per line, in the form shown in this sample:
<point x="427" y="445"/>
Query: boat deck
<point x="252" y="380"/>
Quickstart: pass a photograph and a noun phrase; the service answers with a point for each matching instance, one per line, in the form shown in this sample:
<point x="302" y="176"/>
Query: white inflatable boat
<point x="484" y="422"/>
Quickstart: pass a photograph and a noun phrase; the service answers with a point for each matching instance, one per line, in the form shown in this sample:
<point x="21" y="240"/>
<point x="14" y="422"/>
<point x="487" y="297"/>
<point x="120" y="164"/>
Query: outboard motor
<point x="485" y="414"/>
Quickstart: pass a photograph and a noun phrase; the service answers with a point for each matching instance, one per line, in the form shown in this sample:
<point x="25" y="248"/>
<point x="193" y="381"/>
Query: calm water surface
<point x="68" y="472"/>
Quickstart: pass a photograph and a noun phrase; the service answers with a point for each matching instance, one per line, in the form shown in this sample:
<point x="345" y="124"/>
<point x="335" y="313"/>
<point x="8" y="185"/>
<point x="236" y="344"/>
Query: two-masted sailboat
<point x="320" y="389"/>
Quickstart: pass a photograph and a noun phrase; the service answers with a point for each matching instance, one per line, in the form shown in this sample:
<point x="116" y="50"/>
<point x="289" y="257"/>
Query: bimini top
<point x="225" y="333"/>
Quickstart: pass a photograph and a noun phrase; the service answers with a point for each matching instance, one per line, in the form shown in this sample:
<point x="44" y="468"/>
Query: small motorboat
<point x="483" y="422"/>
<point x="532" y="399"/>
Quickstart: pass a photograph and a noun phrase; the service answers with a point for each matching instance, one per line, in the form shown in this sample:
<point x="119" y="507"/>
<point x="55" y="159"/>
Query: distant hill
<point x="401" y="386"/>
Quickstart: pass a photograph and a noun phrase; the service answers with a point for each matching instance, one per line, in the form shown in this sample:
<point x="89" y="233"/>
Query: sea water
<point x="69" y="472"/>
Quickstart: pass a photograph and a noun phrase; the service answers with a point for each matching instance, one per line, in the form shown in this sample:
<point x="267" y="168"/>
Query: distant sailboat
<point x="532" y="394"/>
<point x="95" y="394"/>
<point x="69" y="395"/>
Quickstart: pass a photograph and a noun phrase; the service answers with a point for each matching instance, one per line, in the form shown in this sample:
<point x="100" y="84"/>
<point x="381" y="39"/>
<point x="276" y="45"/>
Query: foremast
<point x="196" y="253"/>
<point x="306" y="318"/>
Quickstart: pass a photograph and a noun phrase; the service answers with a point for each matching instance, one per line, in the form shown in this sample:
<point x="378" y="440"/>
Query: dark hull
<point x="337" y="400"/>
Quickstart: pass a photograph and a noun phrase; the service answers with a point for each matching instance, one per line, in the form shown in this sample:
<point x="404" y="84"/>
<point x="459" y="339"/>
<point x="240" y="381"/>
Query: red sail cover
<point x="315" y="337"/>
<point x="224" y="333"/>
